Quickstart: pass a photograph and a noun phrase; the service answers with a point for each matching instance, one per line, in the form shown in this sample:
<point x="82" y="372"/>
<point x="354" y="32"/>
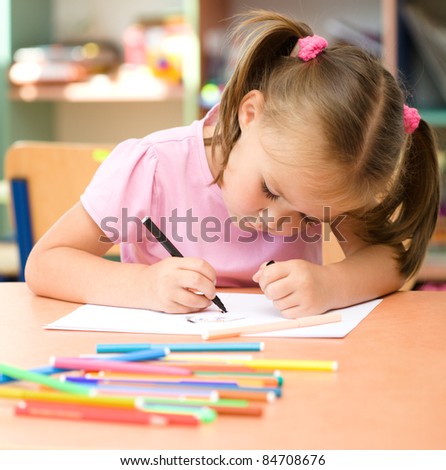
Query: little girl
<point x="305" y="133"/>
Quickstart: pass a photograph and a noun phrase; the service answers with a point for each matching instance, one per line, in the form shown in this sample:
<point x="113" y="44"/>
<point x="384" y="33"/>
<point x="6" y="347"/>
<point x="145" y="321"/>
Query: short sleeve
<point x="121" y="192"/>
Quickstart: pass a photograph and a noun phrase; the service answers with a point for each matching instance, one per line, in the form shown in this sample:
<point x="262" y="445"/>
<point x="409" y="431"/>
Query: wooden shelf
<point x="100" y="89"/>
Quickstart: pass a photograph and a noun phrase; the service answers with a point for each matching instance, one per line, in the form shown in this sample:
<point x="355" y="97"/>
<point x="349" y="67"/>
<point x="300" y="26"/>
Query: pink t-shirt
<point x="165" y="175"/>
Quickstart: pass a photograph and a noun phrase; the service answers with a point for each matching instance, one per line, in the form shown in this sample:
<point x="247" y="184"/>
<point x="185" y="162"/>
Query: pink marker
<point x="75" y="363"/>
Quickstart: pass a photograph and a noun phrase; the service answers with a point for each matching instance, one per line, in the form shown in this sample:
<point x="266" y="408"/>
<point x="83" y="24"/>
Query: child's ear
<point x="250" y="108"/>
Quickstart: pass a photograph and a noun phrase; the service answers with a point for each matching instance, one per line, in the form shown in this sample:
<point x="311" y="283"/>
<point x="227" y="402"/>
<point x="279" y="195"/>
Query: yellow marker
<point x="56" y="397"/>
<point x="273" y="364"/>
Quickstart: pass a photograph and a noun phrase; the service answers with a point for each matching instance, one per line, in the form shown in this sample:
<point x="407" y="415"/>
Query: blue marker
<point x="180" y="347"/>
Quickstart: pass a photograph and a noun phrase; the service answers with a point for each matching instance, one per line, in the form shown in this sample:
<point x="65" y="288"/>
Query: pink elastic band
<point x="309" y="47"/>
<point x="411" y="119"/>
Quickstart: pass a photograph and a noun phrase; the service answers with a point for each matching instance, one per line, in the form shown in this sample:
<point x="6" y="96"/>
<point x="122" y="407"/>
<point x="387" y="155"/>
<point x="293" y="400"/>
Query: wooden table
<point x="389" y="392"/>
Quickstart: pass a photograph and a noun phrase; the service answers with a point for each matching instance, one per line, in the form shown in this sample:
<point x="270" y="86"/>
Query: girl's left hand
<point x="297" y="287"/>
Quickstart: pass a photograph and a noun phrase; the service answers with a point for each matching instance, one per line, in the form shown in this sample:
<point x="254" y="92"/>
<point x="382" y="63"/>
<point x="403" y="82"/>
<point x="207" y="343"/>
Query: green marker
<point x="235" y="402"/>
<point x="203" y="413"/>
<point x="23" y="374"/>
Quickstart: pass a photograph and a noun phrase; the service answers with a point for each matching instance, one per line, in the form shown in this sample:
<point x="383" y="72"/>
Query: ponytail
<point x="407" y="217"/>
<point x="420" y="206"/>
<point x="265" y="36"/>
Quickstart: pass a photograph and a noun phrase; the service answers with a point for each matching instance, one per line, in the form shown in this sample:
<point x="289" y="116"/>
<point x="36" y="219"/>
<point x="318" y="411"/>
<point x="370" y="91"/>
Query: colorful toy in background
<point x="210" y="95"/>
<point x="162" y="46"/>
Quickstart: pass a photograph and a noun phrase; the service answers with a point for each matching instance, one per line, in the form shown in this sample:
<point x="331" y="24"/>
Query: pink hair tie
<point x="309" y="47"/>
<point x="411" y="119"/>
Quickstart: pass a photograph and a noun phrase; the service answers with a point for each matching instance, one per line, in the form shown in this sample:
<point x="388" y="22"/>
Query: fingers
<point x="181" y="300"/>
<point x="271" y="280"/>
<point x="289" y="307"/>
<point x="268" y="277"/>
<point x="259" y="273"/>
<point x="187" y="302"/>
<point x="187" y="285"/>
<point x="289" y="287"/>
<point x="198" y="275"/>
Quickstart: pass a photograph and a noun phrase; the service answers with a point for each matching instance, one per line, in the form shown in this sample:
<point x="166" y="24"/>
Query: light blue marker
<point x="180" y="347"/>
<point x="142" y="355"/>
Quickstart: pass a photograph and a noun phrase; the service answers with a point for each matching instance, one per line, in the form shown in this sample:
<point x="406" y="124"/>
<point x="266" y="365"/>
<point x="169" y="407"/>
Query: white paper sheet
<point x="243" y="310"/>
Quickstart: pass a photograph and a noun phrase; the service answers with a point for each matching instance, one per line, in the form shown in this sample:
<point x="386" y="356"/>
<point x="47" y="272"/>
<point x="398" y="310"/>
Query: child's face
<point x="254" y="178"/>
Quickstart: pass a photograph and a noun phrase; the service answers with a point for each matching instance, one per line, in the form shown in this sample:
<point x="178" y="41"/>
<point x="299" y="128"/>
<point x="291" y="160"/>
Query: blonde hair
<point x="359" y="107"/>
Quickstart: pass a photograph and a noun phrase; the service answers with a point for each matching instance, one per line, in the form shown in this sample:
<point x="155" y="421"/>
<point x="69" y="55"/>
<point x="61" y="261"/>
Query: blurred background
<point x="102" y="71"/>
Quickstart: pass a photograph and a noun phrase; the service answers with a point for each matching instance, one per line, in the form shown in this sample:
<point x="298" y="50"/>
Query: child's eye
<point x="310" y="220"/>
<point x="268" y="193"/>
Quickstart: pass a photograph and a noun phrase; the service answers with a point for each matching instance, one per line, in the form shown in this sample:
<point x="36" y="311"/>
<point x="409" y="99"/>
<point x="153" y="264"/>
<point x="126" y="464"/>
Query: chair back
<point x="47" y="179"/>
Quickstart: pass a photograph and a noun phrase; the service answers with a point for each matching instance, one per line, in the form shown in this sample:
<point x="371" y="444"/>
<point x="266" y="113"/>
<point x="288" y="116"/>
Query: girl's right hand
<point x="180" y="285"/>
